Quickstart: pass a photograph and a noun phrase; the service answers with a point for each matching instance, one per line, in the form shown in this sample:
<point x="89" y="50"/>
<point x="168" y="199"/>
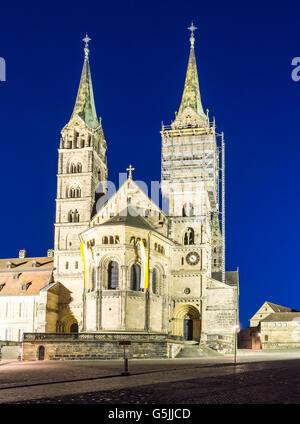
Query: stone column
<point x="123" y="295"/>
<point x="99" y="299"/>
<point x="164" y="319"/>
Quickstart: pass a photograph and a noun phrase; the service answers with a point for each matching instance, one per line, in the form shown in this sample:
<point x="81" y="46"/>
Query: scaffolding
<point x="196" y="155"/>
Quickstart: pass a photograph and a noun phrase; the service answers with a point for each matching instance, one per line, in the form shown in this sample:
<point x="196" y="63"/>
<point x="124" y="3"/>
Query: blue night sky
<point x="139" y="53"/>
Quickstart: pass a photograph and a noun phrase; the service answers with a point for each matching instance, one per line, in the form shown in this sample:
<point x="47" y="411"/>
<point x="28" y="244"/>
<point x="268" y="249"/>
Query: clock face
<point x="192" y="258"/>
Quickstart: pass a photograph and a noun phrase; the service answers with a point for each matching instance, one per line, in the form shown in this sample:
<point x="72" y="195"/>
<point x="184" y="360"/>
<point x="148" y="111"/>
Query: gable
<point x="129" y="195"/>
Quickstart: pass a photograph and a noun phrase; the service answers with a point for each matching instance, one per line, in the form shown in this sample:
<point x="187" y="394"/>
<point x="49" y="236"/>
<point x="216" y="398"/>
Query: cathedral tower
<point x="81" y="165"/>
<point x="191" y="176"/>
<point x="190" y="169"/>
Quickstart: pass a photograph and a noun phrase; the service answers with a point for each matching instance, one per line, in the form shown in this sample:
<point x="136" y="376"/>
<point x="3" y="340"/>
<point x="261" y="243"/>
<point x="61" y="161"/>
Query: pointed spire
<point x="191" y="93"/>
<point x="85" y="104"/>
<point x="215" y="226"/>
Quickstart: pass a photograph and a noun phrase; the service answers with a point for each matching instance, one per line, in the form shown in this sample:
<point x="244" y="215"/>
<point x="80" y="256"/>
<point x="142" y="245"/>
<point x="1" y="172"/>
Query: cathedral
<point x="123" y="269"/>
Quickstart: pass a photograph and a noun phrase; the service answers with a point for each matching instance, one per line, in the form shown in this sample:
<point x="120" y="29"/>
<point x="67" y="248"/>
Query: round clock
<point x="192" y="258"/>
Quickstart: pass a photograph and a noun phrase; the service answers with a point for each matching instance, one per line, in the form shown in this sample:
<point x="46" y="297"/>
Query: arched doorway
<point x="74" y="328"/>
<point x="186" y="322"/>
<point x="41" y="353"/>
<point x="188" y="327"/>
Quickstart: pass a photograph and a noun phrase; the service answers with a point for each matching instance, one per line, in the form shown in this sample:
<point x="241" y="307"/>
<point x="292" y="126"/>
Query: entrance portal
<point x="186" y="322"/>
<point x="188" y="329"/>
<point x="41" y="353"/>
<point x="74" y="328"/>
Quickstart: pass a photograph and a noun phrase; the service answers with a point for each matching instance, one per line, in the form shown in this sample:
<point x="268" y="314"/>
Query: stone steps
<point x="193" y="350"/>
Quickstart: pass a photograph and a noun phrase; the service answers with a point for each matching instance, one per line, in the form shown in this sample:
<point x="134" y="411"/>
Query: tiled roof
<point x="279" y="308"/>
<point x="282" y="316"/>
<point x="129" y="217"/>
<point x="23" y="272"/>
<point x="22" y="264"/>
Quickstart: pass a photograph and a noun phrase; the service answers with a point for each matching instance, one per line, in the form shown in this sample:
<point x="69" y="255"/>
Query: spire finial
<point x="130" y="169"/>
<point x="86" y="39"/>
<point x="192" y="28"/>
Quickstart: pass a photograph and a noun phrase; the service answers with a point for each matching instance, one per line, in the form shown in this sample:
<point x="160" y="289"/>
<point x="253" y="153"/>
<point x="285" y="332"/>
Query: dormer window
<point x="25" y="286"/>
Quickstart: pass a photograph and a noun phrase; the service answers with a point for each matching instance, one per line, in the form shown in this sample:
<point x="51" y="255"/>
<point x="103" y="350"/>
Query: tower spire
<point x="191" y="92"/>
<point x="85" y="104"/>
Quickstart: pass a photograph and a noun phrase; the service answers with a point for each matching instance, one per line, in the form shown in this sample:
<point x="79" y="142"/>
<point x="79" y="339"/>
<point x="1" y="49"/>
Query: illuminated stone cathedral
<point x="96" y="294"/>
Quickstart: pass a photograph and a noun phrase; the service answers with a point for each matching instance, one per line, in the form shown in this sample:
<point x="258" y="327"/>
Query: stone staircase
<point x="192" y="349"/>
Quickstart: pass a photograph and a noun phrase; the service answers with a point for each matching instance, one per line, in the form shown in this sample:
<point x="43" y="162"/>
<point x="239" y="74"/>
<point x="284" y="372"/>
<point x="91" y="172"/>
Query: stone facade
<point x="103" y="246"/>
<point x="97" y="346"/>
<point x="280" y="331"/>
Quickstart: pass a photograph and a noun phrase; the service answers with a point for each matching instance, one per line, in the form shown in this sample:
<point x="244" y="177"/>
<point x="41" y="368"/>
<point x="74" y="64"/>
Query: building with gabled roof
<point x="265" y="310"/>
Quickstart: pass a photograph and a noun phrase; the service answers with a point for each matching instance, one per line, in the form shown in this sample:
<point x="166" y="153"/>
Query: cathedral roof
<point x="191" y="92"/>
<point x="85" y="104"/>
<point x="130" y="217"/>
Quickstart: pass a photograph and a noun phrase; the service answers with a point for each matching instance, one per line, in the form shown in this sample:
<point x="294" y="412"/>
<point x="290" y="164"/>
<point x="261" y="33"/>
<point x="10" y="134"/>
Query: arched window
<point x="132" y="240"/>
<point x="105" y="240"/>
<point x="135" y="277"/>
<point x="145" y="242"/>
<point x="75" y="192"/>
<point x="188" y="209"/>
<point x="113" y="276"/>
<point x="79" y="167"/>
<point x="154" y="281"/>
<point x="111" y="239"/>
<point x="70" y="216"/>
<point x="189" y="236"/>
<point x="76" y="216"/>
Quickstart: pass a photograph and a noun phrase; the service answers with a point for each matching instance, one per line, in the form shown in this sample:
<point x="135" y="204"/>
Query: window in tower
<point x="67" y="265"/>
<point x="71" y="216"/>
<point x="188" y="209"/>
<point x="76" y="216"/>
<point x="189" y="237"/>
<point x="215" y="262"/>
<point x="76" y="264"/>
<point x="113" y="276"/>
<point x="135" y="277"/>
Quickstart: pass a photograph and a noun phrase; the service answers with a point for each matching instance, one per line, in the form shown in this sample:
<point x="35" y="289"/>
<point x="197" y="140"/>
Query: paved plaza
<point x="256" y="378"/>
